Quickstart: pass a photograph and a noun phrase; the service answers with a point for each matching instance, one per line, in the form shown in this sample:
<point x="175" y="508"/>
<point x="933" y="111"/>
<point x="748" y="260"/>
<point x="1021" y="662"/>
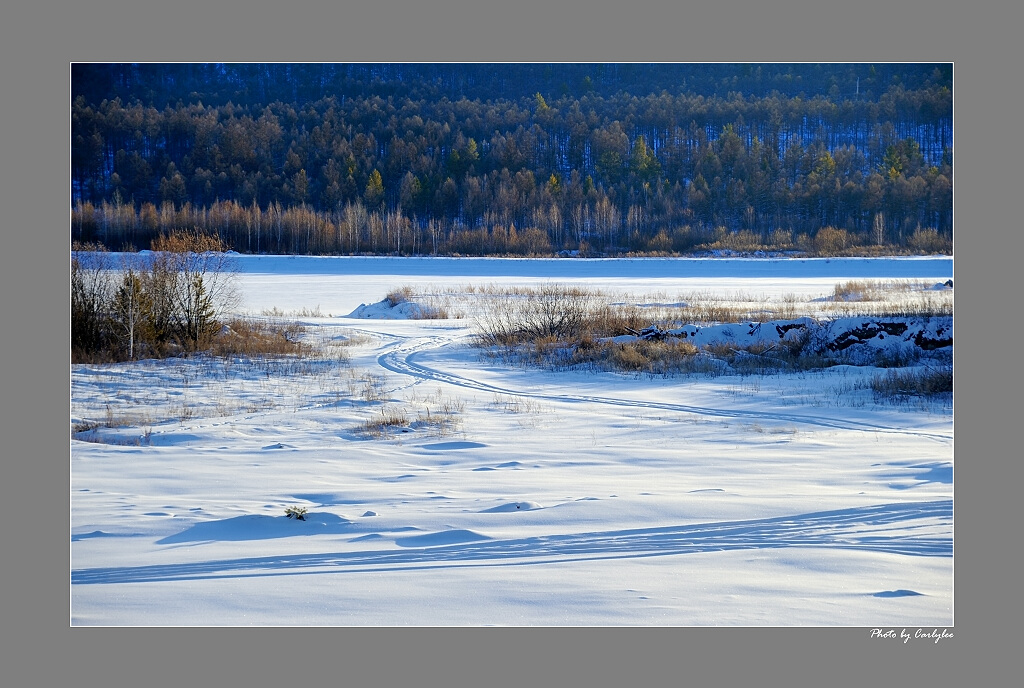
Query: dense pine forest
<point x="515" y="159"/>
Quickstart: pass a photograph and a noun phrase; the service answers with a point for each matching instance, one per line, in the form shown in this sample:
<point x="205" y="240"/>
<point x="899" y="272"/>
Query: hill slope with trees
<point x="515" y="159"/>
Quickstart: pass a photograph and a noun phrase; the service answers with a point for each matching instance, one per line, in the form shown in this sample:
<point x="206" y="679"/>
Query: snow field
<point x="558" y="498"/>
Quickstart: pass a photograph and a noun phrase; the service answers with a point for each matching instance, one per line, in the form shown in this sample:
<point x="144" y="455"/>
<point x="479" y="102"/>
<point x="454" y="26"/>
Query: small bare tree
<point x="879" y="228"/>
<point x="199" y="279"/>
<point x="132" y="306"/>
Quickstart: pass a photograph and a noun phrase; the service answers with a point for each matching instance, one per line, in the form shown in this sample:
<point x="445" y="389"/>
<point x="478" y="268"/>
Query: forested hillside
<point x="515" y="159"/>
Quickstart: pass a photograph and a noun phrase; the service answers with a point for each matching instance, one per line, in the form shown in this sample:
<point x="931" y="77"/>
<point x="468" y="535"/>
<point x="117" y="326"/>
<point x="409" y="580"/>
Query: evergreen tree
<point x="374" y="192"/>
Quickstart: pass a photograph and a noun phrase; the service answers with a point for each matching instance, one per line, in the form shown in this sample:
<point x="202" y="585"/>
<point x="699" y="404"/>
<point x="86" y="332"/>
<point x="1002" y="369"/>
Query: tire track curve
<point x="401" y="359"/>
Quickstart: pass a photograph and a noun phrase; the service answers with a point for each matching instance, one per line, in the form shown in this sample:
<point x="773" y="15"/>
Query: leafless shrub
<point x="201" y="276"/>
<point x="92" y="293"/>
<point x="611" y="320"/>
<point x="548" y="311"/>
<point x="830" y="241"/>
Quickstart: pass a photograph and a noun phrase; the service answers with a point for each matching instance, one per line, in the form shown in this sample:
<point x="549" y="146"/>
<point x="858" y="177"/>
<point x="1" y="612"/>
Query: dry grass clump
<point x="559" y="327"/>
<point x="705" y="308"/>
<point x="431" y="312"/>
<point x="764" y="358"/>
<point x="903" y="384"/>
<point x="890" y="298"/>
<point x="304" y="312"/>
<point x="875" y="290"/>
<point x="429" y="306"/>
<point x="441" y="415"/>
<point x="514" y="404"/>
<point x="400" y="295"/>
<point x="652" y="357"/>
<point x="88" y="430"/>
<point x="112" y="419"/>
<point x="251" y="337"/>
<point x="611" y="320"/>
<point x="384" y="423"/>
<point x="640" y="356"/>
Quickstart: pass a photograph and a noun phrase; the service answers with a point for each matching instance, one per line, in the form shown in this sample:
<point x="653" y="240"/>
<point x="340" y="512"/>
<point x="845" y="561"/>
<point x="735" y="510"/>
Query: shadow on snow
<point x="914" y="529"/>
<point x="257" y="527"/>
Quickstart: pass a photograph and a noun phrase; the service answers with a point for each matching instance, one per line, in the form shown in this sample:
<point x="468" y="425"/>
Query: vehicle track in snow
<point x="921" y="529"/>
<point x="401" y="358"/>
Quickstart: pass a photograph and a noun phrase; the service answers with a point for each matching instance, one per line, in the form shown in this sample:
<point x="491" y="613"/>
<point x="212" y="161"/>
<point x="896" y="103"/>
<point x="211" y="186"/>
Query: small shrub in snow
<point x="296" y="512"/>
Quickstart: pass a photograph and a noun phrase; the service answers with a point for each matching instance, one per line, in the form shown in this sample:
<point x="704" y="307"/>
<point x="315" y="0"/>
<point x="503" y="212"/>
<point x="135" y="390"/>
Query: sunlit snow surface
<point x="557" y="498"/>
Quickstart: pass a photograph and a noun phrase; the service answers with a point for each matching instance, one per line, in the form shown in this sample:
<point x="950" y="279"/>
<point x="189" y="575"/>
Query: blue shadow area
<point x="255" y="527"/>
<point x="922" y="529"/>
<point x="101" y="534"/>
<point x="921" y="473"/>
<point x="326" y="499"/>
<point x="897" y="593"/>
<point x="451" y="446"/>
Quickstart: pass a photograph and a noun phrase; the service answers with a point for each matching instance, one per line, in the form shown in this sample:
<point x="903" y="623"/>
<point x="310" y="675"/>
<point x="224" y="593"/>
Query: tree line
<point x="397" y="168"/>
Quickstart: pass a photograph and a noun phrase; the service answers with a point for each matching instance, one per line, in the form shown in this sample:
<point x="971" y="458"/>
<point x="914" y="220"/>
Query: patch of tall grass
<point x="253" y="337"/>
<point x="900" y="385"/>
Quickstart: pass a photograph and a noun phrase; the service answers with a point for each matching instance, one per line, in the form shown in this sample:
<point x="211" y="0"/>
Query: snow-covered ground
<point x="514" y="496"/>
